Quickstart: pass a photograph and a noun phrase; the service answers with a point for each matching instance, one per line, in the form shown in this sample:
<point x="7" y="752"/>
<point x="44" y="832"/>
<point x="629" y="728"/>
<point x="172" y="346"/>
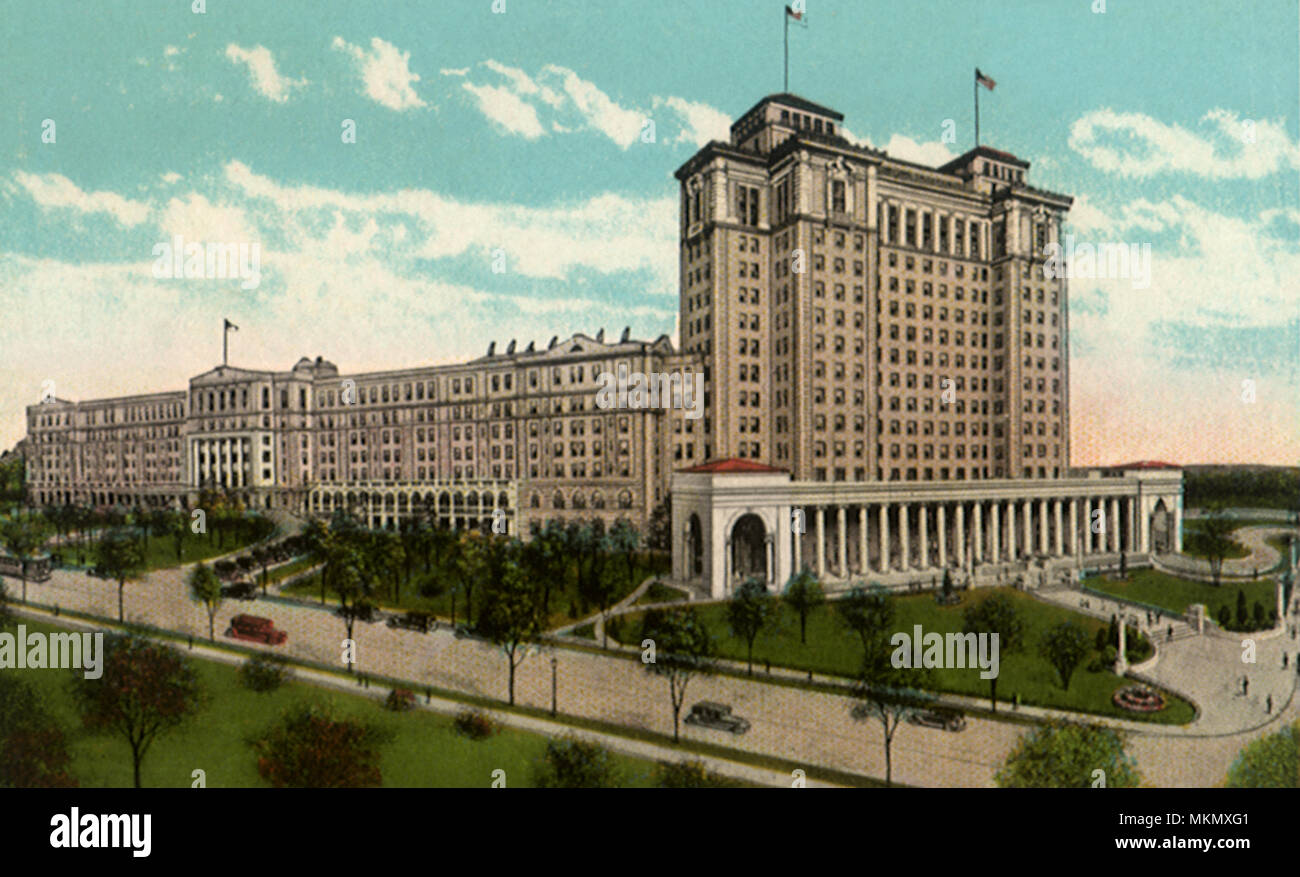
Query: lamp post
<point x="554" y="663"/>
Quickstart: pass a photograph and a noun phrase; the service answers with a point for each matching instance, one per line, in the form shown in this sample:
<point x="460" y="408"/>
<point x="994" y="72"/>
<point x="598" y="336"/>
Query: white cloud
<point x="932" y="153"/>
<point x="267" y="81"/>
<point x="507" y="109"/>
<point x="170" y="177"/>
<point x="385" y="73"/>
<point x="701" y="123"/>
<point x="1138" y="146"/>
<point x="57" y="191"/>
<point x="559" y="101"/>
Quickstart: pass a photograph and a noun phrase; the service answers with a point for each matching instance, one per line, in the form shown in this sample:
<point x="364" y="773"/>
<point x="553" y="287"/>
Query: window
<point x="838" y="196"/>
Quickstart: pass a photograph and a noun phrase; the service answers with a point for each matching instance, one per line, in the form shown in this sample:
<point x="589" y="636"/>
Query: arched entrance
<point x="749" y="548"/>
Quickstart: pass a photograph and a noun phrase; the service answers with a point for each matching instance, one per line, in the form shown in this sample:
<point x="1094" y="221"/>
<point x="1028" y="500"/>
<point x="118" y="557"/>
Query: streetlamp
<point x="554" y="662"/>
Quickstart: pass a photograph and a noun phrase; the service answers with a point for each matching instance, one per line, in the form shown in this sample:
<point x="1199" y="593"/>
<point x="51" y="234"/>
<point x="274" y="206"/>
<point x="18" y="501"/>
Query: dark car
<point x="421" y="621"/>
<point x="708" y="714"/>
<point x="360" y="611"/>
<point x="240" y="591"/>
<point x="944" y="718"/>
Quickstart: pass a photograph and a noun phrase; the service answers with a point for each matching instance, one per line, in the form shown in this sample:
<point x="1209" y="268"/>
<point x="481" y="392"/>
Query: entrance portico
<point x="745" y="512"/>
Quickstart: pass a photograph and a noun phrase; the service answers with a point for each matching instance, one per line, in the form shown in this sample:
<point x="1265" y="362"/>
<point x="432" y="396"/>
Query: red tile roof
<point x="731" y="464"/>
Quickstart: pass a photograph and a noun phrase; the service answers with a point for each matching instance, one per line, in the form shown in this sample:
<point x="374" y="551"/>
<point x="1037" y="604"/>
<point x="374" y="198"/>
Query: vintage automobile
<point x="240" y="591"/>
<point x="416" y="620"/>
<point x="256" y="629"/>
<point x="708" y="714"/>
<point x="944" y="718"/>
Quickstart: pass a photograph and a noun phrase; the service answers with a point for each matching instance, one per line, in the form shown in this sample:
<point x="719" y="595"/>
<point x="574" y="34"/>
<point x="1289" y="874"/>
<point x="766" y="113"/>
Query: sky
<point x="505" y="181"/>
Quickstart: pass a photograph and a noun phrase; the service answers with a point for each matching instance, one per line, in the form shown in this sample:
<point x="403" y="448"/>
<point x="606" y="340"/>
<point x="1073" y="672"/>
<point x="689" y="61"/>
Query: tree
<point x="748" y="611"/>
<point x="996" y="616"/>
<point x="1068" y="755"/>
<point x="659" y="536"/>
<point x="146" y="690"/>
<point x="510" y="616"/>
<point x="682" y="649"/>
<point x="310" y="748"/>
<point x="24" y="537"/>
<point x="803" y="594"/>
<point x="1243" y="620"/>
<point x="1064" y="646"/>
<point x="205" y="588"/>
<point x="573" y="763"/>
<point x="624" y="539"/>
<point x="177" y="525"/>
<point x="547" y="558"/>
<point x="1271" y="762"/>
<point x="33" y="749"/>
<point x="867" y="612"/>
<point x="1216" y="538"/>
<point x="121" y="558"/>
<point x="262" y="558"/>
<point x="883" y="692"/>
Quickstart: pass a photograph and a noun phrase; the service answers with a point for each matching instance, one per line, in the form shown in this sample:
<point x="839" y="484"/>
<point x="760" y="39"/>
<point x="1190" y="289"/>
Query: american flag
<point x="984" y="80"/>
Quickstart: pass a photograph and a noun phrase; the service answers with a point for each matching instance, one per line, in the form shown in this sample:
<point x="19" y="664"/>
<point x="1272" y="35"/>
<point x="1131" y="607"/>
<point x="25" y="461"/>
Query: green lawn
<point x="1175" y="594"/>
<point x="833" y="649"/>
<point x="293" y="567"/>
<point x="564" y="604"/>
<point x="160" y="552"/>
<point x="426" y="751"/>
<point x="658" y="593"/>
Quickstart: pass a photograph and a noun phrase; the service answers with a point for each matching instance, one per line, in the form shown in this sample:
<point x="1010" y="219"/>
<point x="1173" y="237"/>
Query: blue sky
<point x="520" y="134"/>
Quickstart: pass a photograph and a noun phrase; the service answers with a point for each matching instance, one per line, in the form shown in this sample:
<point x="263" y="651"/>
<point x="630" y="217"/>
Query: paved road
<point x="796" y="724"/>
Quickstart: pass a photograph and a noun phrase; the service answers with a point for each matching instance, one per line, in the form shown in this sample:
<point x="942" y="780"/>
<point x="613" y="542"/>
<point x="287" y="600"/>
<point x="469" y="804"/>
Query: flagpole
<point x="785" y="17"/>
<point x="977" y="112"/>
<point x="225" y="336"/>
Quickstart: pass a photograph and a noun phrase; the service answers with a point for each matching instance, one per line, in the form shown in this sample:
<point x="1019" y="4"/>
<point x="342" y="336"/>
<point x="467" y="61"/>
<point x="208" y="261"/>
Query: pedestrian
<point x="1245" y="685"/>
<point x="1268" y="704"/>
<point x="1171" y="634"/>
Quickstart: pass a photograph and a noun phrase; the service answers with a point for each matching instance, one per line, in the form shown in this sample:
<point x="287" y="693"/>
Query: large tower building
<point x="864" y="318"/>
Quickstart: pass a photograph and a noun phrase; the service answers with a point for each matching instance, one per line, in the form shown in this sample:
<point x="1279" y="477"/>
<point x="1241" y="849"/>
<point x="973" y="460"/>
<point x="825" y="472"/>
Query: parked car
<point x="944" y="718"/>
<point x="256" y="629"/>
<point x="708" y="714"/>
<point x="361" y="611"/>
<point x="240" y="591"/>
<point x="416" y="620"/>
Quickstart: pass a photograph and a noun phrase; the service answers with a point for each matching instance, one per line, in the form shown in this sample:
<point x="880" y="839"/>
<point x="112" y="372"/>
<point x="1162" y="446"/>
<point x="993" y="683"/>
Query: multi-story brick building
<point x="517" y="431"/>
<point x="835" y="294"/>
<point x="856" y="317"/>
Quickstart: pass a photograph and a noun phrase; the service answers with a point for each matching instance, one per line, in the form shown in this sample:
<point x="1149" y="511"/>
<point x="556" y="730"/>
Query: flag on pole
<point x="229" y="325"/>
<point x="984" y="80"/>
<point x="797" y="16"/>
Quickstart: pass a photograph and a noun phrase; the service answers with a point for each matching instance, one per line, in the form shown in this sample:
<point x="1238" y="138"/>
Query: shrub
<point x="400" y="700"/>
<point x="264" y="673"/>
<point x="474" y="724"/>
<point x="573" y="763"/>
<point x="1225" y="617"/>
<point x="689" y="774"/>
<point x="1260" y="618"/>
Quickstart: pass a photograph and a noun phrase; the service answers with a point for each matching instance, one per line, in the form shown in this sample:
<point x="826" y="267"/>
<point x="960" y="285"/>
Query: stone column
<point x="841" y="541"/>
<point x="1114" y="528"/>
<point x="1042" y="528"/>
<point x="798" y="539"/>
<point x="941" y="526"/>
<point x="1056" y="519"/>
<point x="771" y="560"/>
<point x="1144" y="528"/>
<point x="903" y="535"/>
<point x="960" y="534"/>
<point x="995" y="553"/>
<point x="884" y="537"/>
<point x="1027" y="509"/>
<point x="821" y="543"/>
<point x="1087" y="525"/>
<point x="1075" y="543"/>
<point x="1011" y="530"/>
<point x="923" y="544"/>
<point x="977" y="511"/>
<point x="863" y="567"/>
